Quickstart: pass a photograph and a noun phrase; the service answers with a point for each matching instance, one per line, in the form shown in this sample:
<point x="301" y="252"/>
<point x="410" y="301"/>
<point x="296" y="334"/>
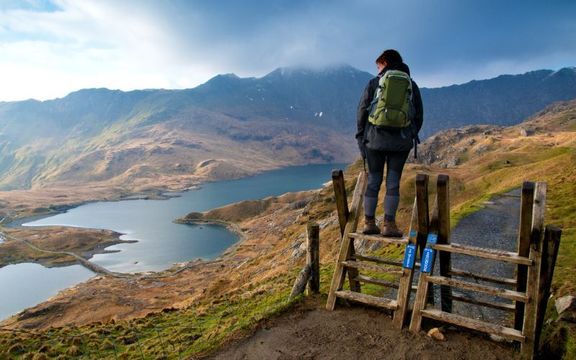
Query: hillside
<point x="195" y="308"/>
<point x="146" y="140"/>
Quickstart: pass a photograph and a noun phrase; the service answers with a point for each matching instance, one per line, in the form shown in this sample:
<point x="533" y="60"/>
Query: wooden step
<point x="378" y="260"/>
<point x="478" y="325"/>
<point x="371" y="280"/>
<point x="493" y="279"/>
<point x="370" y="267"/>
<point x="390" y="240"/>
<point x="367" y="299"/>
<point x="503" y="293"/>
<point x="500" y="255"/>
<point x="490" y="304"/>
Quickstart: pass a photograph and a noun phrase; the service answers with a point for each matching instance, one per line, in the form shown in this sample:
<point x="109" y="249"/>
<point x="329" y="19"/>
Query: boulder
<point x="566" y="308"/>
<point x="436" y="334"/>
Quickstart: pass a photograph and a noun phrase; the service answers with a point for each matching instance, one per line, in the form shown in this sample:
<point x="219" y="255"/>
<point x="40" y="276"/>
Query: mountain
<point x="230" y="126"/>
<point x="504" y="100"/>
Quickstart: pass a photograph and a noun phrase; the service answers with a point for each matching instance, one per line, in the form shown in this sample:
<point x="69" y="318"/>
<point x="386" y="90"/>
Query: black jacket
<point x="387" y="140"/>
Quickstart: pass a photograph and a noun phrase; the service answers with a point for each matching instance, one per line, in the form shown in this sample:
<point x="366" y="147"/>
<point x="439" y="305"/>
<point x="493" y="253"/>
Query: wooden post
<point x="405" y="285"/>
<point x="347" y="243"/>
<point x="444" y="257"/>
<point x="550" y="248"/>
<point x="341" y="199"/>
<point x="423" y="210"/>
<point x="313" y="257"/>
<point x="423" y="226"/>
<point x="533" y="286"/>
<point x="524" y="229"/>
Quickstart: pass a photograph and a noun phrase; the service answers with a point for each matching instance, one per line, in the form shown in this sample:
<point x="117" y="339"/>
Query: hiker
<point x="389" y="118"/>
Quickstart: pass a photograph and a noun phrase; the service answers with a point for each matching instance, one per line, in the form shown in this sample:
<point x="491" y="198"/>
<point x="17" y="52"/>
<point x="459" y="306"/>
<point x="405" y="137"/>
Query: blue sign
<point x="409" y="256"/>
<point x="427" y="260"/>
<point x="413" y="233"/>
<point x="432" y="239"/>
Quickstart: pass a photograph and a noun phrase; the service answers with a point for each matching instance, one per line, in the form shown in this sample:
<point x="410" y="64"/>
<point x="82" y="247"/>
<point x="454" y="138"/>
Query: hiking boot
<point x="370" y="227"/>
<point x="391" y="230"/>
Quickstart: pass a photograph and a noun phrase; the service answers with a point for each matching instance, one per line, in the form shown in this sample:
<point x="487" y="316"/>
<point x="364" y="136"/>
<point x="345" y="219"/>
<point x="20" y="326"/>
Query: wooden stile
<point x="349" y="261"/>
<point x="535" y="255"/>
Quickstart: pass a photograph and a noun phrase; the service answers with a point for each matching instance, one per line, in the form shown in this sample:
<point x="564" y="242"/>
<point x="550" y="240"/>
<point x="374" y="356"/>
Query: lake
<point x="161" y="242"/>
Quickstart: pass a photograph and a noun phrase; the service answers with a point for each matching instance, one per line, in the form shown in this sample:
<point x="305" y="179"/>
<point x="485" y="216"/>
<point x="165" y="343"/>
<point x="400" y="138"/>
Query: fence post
<point x="341" y="198"/>
<point x="550" y="248"/>
<point x="444" y="257"/>
<point x="524" y="230"/>
<point x="313" y="257"/>
<point x="423" y="210"/>
<point x="528" y="347"/>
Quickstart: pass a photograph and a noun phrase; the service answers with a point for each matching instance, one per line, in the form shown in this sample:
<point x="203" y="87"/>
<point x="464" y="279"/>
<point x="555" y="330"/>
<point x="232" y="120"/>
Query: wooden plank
<point x="505" y="332"/>
<point x="524" y="228"/>
<point x="370" y="267"/>
<point x="444" y="258"/>
<point x="389" y="240"/>
<point x="378" y="260"/>
<point x="405" y="284"/>
<point x="367" y="299"/>
<point x="492" y="254"/>
<point x="419" y="303"/>
<point x="381" y="282"/>
<point x="490" y="304"/>
<point x="552" y="235"/>
<point x="503" y="293"/>
<point x="341" y="198"/>
<point x="313" y="257"/>
<point x="482" y="277"/>
<point x="347" y="246"/>
<point x="528" y="348"/>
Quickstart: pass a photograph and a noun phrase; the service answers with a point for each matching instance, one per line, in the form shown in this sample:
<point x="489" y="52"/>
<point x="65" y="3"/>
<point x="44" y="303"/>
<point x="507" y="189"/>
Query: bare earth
<point x="310" y="332"/>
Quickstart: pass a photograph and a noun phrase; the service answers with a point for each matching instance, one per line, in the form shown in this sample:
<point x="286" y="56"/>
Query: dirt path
<point x="311" y="332"/>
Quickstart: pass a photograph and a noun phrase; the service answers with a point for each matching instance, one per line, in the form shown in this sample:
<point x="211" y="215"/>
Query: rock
<point x="523" y="132"/>
<point x="566" y="308"/>
<point x="436" y="334"/>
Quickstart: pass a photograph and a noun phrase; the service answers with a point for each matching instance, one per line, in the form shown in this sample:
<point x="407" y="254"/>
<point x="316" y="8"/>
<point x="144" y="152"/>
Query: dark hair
<point x="390" y="56"/>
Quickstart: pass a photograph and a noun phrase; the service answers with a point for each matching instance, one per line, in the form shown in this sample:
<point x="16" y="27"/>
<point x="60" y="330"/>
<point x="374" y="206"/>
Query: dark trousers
<point x="376" y="160"/>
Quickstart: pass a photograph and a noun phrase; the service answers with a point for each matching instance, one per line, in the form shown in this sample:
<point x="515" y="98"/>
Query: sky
<point x="49" y="48"/>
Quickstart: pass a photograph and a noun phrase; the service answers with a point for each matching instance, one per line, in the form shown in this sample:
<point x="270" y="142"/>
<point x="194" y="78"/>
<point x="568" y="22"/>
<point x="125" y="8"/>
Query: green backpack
<point x="392" y="104"/>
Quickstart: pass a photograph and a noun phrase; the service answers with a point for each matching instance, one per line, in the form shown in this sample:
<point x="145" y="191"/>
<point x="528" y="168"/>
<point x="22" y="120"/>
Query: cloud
<point x="49" y="48"/>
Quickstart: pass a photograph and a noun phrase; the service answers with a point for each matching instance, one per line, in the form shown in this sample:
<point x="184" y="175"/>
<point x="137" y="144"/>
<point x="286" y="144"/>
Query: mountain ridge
<point x="290" y="116"/>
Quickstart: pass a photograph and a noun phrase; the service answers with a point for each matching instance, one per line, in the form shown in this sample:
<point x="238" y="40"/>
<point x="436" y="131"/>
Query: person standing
<point x="390" y="115"/>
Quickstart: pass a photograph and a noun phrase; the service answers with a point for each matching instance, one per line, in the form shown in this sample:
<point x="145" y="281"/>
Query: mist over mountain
<point x="231" y="126"/>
